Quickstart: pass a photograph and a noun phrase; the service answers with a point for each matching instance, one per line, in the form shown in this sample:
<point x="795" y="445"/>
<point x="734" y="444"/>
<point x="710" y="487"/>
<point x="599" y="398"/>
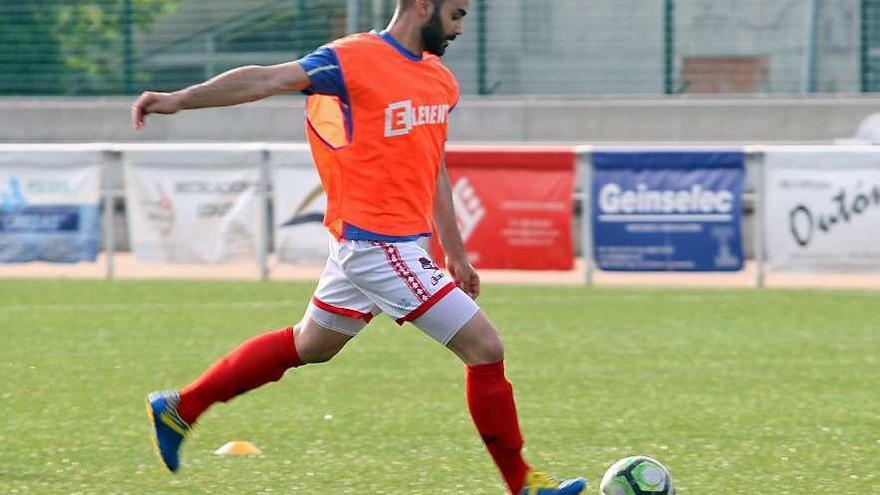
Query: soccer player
<point x="377" y="115"/>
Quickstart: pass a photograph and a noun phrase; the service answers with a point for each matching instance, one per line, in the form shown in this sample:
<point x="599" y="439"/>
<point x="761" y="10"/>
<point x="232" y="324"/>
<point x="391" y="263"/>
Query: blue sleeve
<point x="322" y="67"/>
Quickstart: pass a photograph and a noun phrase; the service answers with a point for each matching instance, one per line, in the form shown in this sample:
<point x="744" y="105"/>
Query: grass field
<point x="738" y="392"/>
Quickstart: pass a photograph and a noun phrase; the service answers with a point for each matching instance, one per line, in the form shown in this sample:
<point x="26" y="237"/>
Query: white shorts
<point x="365" y="278"/>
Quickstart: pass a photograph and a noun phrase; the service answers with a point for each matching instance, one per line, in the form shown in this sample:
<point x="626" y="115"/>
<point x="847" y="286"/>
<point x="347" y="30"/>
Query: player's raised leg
<point x="260" y="360"/>
<point x="336" y="313"/>
<point x="493" y="409"/>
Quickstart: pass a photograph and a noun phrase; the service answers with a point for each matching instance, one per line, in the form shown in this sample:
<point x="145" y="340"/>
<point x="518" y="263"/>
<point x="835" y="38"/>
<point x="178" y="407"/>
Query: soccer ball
<point x="637" y="475"/>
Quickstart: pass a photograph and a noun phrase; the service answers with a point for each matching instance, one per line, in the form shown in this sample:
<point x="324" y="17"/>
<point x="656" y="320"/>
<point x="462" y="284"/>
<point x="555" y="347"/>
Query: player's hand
<point x="464" y="275"/>
<point x="150" y="102"/>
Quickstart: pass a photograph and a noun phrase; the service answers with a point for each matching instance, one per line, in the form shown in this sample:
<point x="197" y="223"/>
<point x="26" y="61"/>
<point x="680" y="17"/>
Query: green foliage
<point x="69" y="46"/>
<point x="29" y="58"/>
<point x="300" y="29"/>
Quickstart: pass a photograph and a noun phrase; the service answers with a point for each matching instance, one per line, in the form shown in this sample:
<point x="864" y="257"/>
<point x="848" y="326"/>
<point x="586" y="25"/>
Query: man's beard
<point x="433" y="36"/>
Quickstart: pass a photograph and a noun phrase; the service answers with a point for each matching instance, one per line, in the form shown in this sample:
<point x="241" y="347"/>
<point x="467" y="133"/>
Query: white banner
<point x="49" y="206"/>
<point x="193" y="206"/>
<point x="300" y="202"/>
<point x="823" y="209"/>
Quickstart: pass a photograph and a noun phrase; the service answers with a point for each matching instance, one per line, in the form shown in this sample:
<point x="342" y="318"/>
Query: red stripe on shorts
<point x="342" y="311"/>
<point x="392" y="254"/>
<point x="425" y="306"/>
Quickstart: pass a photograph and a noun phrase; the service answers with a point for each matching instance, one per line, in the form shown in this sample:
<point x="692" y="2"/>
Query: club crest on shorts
<point x="427" y="264"/>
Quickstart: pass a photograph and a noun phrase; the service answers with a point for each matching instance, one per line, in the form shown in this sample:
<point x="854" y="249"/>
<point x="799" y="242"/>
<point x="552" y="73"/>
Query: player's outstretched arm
<point x="457" y="261"/>
<point x="241" y="85"/>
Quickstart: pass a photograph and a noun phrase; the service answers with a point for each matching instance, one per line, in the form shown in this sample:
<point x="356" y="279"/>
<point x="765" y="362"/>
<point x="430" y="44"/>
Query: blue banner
<point x="667" y="211"/>
<point x="49" y="214"/>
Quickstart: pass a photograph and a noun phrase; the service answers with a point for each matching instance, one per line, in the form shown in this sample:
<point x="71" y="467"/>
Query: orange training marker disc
<point x="238" y="447"/>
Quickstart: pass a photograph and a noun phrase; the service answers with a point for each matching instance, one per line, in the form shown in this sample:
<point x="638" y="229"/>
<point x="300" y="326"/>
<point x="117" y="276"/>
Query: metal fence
<point x="522" y="47"/>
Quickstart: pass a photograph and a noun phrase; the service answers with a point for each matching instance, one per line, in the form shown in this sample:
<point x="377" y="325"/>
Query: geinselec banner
<point x="823" y="210"/>
<point x="189" y="206"/>
<point x="49" y="206"/>
<point x="667" y="210"/>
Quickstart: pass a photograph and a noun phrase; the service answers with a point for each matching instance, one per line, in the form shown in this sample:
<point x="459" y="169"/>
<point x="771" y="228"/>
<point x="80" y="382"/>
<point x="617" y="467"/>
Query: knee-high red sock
<point x="490" y="400"/>
<point x="258" y="361"/>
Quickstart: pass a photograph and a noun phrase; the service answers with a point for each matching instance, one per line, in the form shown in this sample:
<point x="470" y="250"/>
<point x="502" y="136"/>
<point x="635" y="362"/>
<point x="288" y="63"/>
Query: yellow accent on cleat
<point x="153" y="439"/>
<point x="166" y="418"/>
<point x="538" y="483"/>
<point x="536" y="480"/>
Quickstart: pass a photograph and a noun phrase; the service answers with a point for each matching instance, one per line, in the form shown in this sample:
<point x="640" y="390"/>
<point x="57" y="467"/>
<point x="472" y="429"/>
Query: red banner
<point x="513" y="205"/>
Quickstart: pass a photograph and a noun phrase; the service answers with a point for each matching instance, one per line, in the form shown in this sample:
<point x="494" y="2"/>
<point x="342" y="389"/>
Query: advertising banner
<point x="49" y="206"/>
<point x="300" y="203"/>
<point x="514" y="206"/>
<point x="193" y="206"/>
<point x="823" y="210"/>
<point x="667" y="210"/>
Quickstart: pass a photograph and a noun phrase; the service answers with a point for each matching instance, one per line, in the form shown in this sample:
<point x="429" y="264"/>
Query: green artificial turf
<point x="737" y="392"/>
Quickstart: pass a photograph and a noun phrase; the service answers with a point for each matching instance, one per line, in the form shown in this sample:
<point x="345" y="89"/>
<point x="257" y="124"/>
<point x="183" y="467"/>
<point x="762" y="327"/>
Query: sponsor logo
<point x="48" y="186"/>
<point x="16" y="215"/>
<point x="402" y="117"/>
<point x="469" y="210"/>
<point x="216" y="208"/>
<point x="302" y="215"/>
<point x="845" y="207"/>
<point x="696" y="203"/>
<point x="41" y="219"/>
<point x="724" y="235"/>
<point x="213" y="210"/>
<point x="427" y="264"/>
<point x="211" y="187"/>
<point x="160" y="212"/>
<point x="12" y="197"/>
<point x="407" y="304"/>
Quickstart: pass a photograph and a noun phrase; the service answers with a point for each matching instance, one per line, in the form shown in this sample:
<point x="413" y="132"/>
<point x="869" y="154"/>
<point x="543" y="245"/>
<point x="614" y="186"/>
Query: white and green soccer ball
<point x="637" y="475"/>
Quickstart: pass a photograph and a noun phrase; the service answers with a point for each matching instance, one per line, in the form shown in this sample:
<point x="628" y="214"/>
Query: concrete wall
<point x="704" y="120"/>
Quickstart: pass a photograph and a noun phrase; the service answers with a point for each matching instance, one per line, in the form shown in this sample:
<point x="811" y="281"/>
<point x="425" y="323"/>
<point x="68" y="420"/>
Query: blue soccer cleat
<point x="538" y="483"/>
<point x="169" y="430"/>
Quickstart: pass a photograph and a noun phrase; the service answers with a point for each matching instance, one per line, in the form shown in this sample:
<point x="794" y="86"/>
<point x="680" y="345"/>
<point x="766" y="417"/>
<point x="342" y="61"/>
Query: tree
<point x="30" y="58"/>
<point x="69" y="46"/>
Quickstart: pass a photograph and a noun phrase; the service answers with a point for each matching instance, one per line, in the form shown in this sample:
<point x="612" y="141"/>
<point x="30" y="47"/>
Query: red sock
<point x="490" y="400"/>
<point x="258" y="361"/>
